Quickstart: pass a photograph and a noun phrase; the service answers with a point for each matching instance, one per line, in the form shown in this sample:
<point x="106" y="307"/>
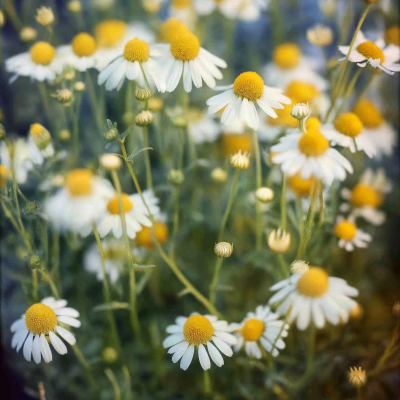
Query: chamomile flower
<point x="136" y="62"/>
<point x="41" y="63"/>
<point x="367" y="196"/>
<point x="202" y="127"/>
<point x="314" y="296"/>
<point x="197" y="332"/>
<point x="80" y="202"/>
<point x="39" y="142"/>
<point x="349" y="235"/>
<point x="144" y="238"/>
<point x="289" y="64"/>
<point x="377" y="54"/>
<point x="184" y="11"/>
<point x="382" y="135"/>
<point x="348" y="131"/>
<point x="184" y="58"/>
<point x="241" y="98"/>
<point x="310" y="154"/>
<point x="41" y="325"/>
<point x="136" y="214"/>
<point x="260" y="329"/>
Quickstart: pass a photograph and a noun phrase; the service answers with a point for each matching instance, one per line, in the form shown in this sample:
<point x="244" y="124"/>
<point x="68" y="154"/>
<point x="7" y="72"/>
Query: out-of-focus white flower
<point x="320" y="35"/>
<point x="349" y="235"/>
<point x="202" y="126"/>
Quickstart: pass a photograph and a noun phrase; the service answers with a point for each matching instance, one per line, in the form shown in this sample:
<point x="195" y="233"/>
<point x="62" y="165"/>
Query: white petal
<point x="27" y="351"/>
<point x="69" y="321"/>
<point x="66" y="335"/>
<point x="173" y="339"/>
<point x="187" y="358"/>
<point x="203" y="358"/>
<point x="36" y="349"/>
<point x="215" y="355"/>
<point x="45" y="349"/>
<point x="57" y="343"/>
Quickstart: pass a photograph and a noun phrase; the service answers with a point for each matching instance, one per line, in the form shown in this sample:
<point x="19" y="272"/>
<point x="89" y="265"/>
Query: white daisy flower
<point x="377" y="54"/>
<point x="261" y="328"/>
<point x="136" y="214"/>
<point x="199" y="331"/>
<point x="39" y="141"/>
<point x="241" y="98"/>
<point x="41" y="325"/>
<point x="348" y="131"/>
<point x="289" y="64"/>
<point x="80" y="202"/>
<point x="367" y="196"/>
<point x="41" y="63"/>
<point x="314" y="296"/>
<point x="136" y="62"/>
<point x="184" y="11"/>
<point x="202" y="127"/>
<point x="382" y="135"/>
<point x="349" y="235"/>
<point x="184" y="57"/>
<point x="310" y="154"/>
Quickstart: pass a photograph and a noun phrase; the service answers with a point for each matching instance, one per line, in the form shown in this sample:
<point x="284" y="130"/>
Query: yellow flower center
<point x="364" y="195"/>
<point x="36" y="129"/>
<point x="198" y="330"/>
<point x="40" y="319"/>
<point x="233" y="143"/>
<point x="113" y="204"/>
<point x="181" y="3"/>
<point x="313" y="283"/>
<point x="83" y="45"/>
<point x="287" y="55"/>
<point x="371" y="50"/>
<point x="79" y="182"/>
<point x="369" y="115"/>
<point x="253" y="330"/>
<point x="392" y="35"/>
<point x="284" y="118"/>
<point x="349" y="124"/>
<point x="110" y="33"/>
<point x="249" y="85"/>
<point x="313" y="123"/>
<point x="136" y="50"/>
<point x="42" y="53"/>
<point x="345" y="230"/>
<point x="313" y="143"/>
<point x="4" y="175"/>
<point x="185" y="46"/>
<point x="303" y="92"/>
<point x="144" y="237"/>
<point x="172" y="28"/>
<point x="302" y="187"/>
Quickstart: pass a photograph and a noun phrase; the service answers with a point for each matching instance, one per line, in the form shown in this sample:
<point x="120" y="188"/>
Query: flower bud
<point x="65" y="135"/>
<point x="110" y="355"/>
<point x="2" y="19"/>
<point x="74" y="6"/>
<point x="63" y="96"/>
<point x="357" y="377"/>
<point x="264" y="194"/>
<point x="328" y="7"/>
<point x="112" y="133"/>
<point x="144" y="118"/>
<point x="396" y="309"/>
<point x="2" y="132"/>
<point x="180" y="122"/>
<point x="300" y="111"/>
<point x="152" y="6"/>
<point x="5" y="175"/>
<point x="44" y="16"/>
<point x="357" y="312"/>
<point x="110" y="162"/>
<point x="34" y="262"/>
<point x="240" y="161"/>
<point x="79" y="86"/>
<point x="223" y="249"/>
<point x="103" y="4"/>
<point x="175" y="177"/>
<point x="279" y="241"/>
<point x="142" y="93"/>
<point x="41" y="136"/>
<point x="27" y="34"/>
<point x="156" y="104"/>
<point x="299" y="267"/>
<point x="129" y="118"/>
<point x="320" y="35"/>
<point x="69" y="75"/>
<point x="219" y="175"/>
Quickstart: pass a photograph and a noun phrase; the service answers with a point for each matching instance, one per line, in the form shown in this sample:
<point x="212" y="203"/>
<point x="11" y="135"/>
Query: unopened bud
<point x="112" y="133"/>
<point x="219" y="175"/>
<point x="65" y="135"/>
<point x="180" y="122"/>
<point x="34" y="262"/>
<point x="2" y="19"/>
<point x="279" y="241"/>
<point x="357" y="377"/>
<point x="41" y="136"/>
<point x="223" y="249"/>
<point x="356" y="312"/>
<point x="152" y="6"/>
<point x="142" y="93"/>
<point x="110" y="162"/>
<point x="328" y="7"/>
<point x="264" y="194"/>
<point x="156" y="104"/>
<point x="175" y="177"/>
<point x="320" y="35"/>
<point x="144" y="118"/>
<point x="69" y="75"/>
<point x="44" y="16"/>
<point x="240" y="161"/>
<point x="79" y="86"/>
<point x="299" y="267"/>
<point x="110" y="355"/>
<point x="74" y="6"/>
<point x="300" y="111"/>
<point x="27" y="34"/>
<point x="64" y="96"/>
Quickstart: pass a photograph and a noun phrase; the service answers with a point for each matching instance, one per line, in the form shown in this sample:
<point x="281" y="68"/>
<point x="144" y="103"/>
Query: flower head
<point x="223" y="249"/>
<point x="357" y="376"/>
<point x="320" y="35"/>
<point x="240" y="161"/>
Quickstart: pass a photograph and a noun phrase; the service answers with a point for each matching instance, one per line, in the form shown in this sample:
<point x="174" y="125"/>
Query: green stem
<point x="175" y="222"/>
<point x="81" y="358"/>
<point x="207" y="383"/>
<point x="229" y="206"/>
<point x="214" y="283"/>
<point x="34" y="285"/>
<point x="349" y="90"/>
<point x="283" y="204"/>
<point x="46" y="106"/>
<point x="311" y="348"/>
<point x="107" y="292"/>
<point x="47" y="277"/>
<point x="366" y="87"/>
<point x="132" y="282"/>
<point x="256" y="146"/>
<point x="111" y="377"/>
<point x="283" y="265"/>
<point x="321" y="204"/>
<point x="149" y="180"/>
<point x="93" y="102"/>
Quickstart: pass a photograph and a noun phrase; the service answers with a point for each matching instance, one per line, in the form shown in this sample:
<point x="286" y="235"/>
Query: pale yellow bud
<point x="40" y="135"/>
<point x="144" y="118"/>
<point x="74" y="6"/>
<point x="44" y="16"/>
<point x="110" y="355"/>
<point x="264" y="194"/>
<point x="240" y="161"/>
<point x="219" y="175"/>
<point x="156" y="104"/>
<point x="279" y="241"/>
<point x="223" y="249"/>
<point x="142" y="93"/>
<point x="357" y="312"/>
<point x="79" y="86"/>
<point x="2" y="19"/>
<point x="299" y="267"/>
<point x="152" y="6"/>
<point x="110" y="162"/>
<point x="65" y="135"/>
<point x="320" y="35"/>
<point x="27" y="34"/>
<point x="357" y="377"/>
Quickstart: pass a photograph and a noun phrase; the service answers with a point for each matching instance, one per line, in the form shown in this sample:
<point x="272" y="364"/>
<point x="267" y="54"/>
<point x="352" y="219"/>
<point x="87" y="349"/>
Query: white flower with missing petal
<point x="199" y="332"/>
<point x="41" y="325"/>
<point x="349" y="235"/>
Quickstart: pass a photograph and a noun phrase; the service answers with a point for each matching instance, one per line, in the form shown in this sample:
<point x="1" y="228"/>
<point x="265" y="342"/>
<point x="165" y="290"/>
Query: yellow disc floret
<point x="370" y="50"/>
<point x="144" y="238"/>
<point x="313" y="283"/>
<point x="83" y="45"/>
<point x="36" y="129"/>
<point x="365" y="196"/>
<point x="392" y="35"/>
<point x="287" y="55"/>
<point x="303" y="92"/>
<point x="172" y="28"/>
<point x="302" y="187"/>
<point x="369" y="115"/>
<point x="349" y="124"/>
<point x="136" y="50"/>
<point x="185" y="46"/>
<point x="79" y="182"/>
<point x="198" y="330"/>
<point x="313" y="123"/>
<point x="109" y="33"/>
<point x="249" y="85"/>
<point x="345" y="230"/>
<point x="42" y="53"/>
<point x="40" y="319"/>
<point x="253" y="329"/>
<point x="113" y="204"/>
<point x="180" y="4"/>
<point x="313" y="143"/>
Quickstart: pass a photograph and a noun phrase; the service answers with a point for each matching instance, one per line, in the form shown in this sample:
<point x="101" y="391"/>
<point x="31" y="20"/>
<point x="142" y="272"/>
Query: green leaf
<point x="114" y="305"/>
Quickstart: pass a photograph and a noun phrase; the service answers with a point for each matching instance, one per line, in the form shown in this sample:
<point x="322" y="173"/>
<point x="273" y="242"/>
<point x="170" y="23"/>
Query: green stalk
<point x="81" y="358"/>
<point x="311" y="348"/>
<point x="348" y="92"/>
<point x="283" y="205"/>
<point x="214" y="283"/>
<point x="149" y="180"/>
<point x="259" y="184"/>
<point x="97" y="113"/>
